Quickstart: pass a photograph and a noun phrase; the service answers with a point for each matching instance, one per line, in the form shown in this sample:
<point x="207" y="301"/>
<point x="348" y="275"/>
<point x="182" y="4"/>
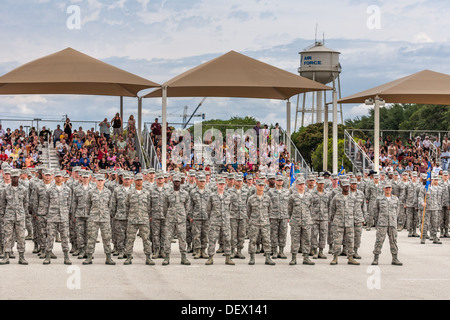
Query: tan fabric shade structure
<point x="234" y="75"/>
<point x="72" y="72"/>
<point x="425" y="87"/>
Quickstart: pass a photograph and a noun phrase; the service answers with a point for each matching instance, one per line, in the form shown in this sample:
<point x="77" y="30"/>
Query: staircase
<point x="355" y="154"/>
<point x="49" y="155"/>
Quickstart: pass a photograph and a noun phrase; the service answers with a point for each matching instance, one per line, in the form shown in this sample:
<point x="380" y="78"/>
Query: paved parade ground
<point x="424" y="275"/>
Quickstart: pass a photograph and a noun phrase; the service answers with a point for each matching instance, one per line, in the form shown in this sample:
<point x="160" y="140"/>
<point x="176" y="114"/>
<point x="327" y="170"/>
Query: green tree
<point x="317" y="157"/>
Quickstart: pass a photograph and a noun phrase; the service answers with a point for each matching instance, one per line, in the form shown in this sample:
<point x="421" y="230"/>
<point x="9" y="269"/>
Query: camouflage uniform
<point x="158" y="224"/>
<point x="28" y="217"/>
<point x="433" y="204"/>
<point x="408" y="198"/>
<point x="137" y="206"/>
<point x="321" y="203"/>
<point x="374" y="191"/>
<point x="402" y="216"/>
<point x="98" y="207"/>
<point x="386" y="212"/>
<point x="13" y="207"/>
<point x="359" y="218"/>
<point x="79" y="203"/>
<point x="445" y="213"/>
<point x="119" y="214"/>
<point x="58" y="216"/>
<point x="278" y="217"/>
<point x="33" y="183"/>
<point x="176" y="204"/>
<point x="238" y="217"/>
<point x="258" y="209"/>
<point x="40" y="208"/>
<point x="218" y="210"/>
<point x="342" y="213"/>
<point x="198" y="212"/>
<point x="300" y="208"/>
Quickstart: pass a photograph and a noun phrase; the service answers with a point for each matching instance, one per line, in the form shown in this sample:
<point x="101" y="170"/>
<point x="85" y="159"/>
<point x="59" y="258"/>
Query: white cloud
<point x="422" y="37"/>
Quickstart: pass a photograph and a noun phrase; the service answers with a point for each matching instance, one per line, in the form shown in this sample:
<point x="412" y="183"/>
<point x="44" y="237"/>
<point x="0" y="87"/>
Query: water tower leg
<point x="325" y="139"/>
<point x="319" y="107"/>
<point x="296" y="113"/>
<point x="335" y="134"/>
<point x="340" y="97"/>
<point x="288" y="126"/>
<point x="303" y="110"/>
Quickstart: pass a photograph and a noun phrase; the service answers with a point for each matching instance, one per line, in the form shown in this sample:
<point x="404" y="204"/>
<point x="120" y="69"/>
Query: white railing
<point x="295" y="155"/>
<point x="356" y="154"/>
<point x="149" y="151"/>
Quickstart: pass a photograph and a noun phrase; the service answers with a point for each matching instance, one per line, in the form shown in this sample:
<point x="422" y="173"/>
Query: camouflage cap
<point x="388" y="184"/>
<point x="202" y="178"/>
<point x="159" y="175"/>
<point x="358" y="174"/>
<point x="334" y="176"/>
<point x="271" y="176"/>
<point x="231" y="175"/>
<point x="59" y="173"/>
<point x="176" y="178"/>
<point x="350" y="173"/>
<point x="345" y="183"/>
<point x="353" y="181"/>
<point x="414" y="173"/>
<point x="311" y="177"/>
<point x="207" y="172"/>
<point x="166" y="175"/>
<point x="376" y="176"/>
<point x="47" y="172"/>
<point x="445" y="173"/>
<point x="260" y="182"/>
<point x="321" y="180"/>
<point x="434" y="176"/>
<point x="85" y="174"/>
<point x="300" y="181"/>
<point x="15" y="173"/>
<point x="151" y="170"/>
<point x="249" y="177"/>
<point x="405" y="173"/>
<point x="279" y="177"/>
<point x="382" y="173"/>
<point x="7" y="171"/>
<point x="99" y="177"/>
<point x="139" y="176"/>
<point x="221" y="180"/>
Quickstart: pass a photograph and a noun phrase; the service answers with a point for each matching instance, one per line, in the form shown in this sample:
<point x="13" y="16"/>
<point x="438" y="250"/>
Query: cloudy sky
<point x="159" y="39"/>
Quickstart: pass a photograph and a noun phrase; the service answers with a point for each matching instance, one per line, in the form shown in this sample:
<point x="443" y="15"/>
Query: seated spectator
<point x="131" y="128"/>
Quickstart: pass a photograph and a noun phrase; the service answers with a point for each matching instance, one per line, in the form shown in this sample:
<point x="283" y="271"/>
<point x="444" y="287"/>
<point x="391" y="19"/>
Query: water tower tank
<point x="319" y="63"/>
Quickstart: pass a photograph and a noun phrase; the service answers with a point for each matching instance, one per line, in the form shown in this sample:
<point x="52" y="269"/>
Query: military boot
<point x="203" y="254"/>
<point x="410" y="234"/>
<point x="312" y="252"/>
<point x="2" y="253"/>
<point x="22" y="259"/>
<point x="74" y="248"/>
<point x="129" y="260"/>
<point x="268" y="260"/>
<point x="11" y="255"/>
<point x="228" y="260"/>
<point x="184" y="260"/>
<point x="75" y="253"/>
<point x="335" y="260"/>
<point x="190" y="248"/>
<point x="258" y="248"/>
<point x="446" y="235"/>
<point x="52" y="255"/>
<point x="343" y="253"/>
<point x="48" y="259"/>
<point x="415" y="235"/>
<point x="66" y="258"/>
<point x="274" y="253"/>
<point x="294" y="259"/>
<point x="281" y="254"/>
<point x="352" y="261"/>
<point x="115" y="252"/>
<point x="233" y="253"/>
<point x="5" y="259"/>
<point x="320" y="255"/>
<point x="239" y="254"/>
<point x="395" y="261"/>
<point x="252" y="259"/>
<point x="58" y="237"/>
<point x="109" y="261"/>
<point x="356" y="255"/>
<point x="197" y="254"/>
<point x="42" y="253"/>
<point x="437" y="241"/>
<point x="375" y="260"/>
<point x="307" y="261"/>
<point x="36" y="248"/>
<point x="82" y="254"/>
<point x="148" y="260"/>
<point x="162" y="254"/>
<point x="88" y="259"/>
<point x="422" y="241"/>
<point x="210" y="261"/>
<point x="166" y="261"/>
<point x="220" y="250"/>
<point x="156" y="254"/>
<point x="121" y="255"/>
<point x="330" y="247"/>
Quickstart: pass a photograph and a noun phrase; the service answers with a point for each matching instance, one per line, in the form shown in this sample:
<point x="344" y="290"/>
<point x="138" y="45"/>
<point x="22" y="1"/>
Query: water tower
<point x="320" y="64"/>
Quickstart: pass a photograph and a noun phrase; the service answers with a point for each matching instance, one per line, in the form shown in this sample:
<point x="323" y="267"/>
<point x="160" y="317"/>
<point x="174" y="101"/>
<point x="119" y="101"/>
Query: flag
<point x="342" y="171"/>
<point x="292" y="174"/>
<point x="428" y="176"/>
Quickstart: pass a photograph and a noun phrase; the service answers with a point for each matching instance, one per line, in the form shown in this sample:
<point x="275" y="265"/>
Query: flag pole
<point x="423" y="216"/>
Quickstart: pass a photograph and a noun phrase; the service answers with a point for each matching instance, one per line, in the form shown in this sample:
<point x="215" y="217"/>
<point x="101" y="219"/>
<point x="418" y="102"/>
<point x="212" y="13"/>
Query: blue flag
<point x="342" y="171"/>
<point x="428" y="176"/>
<point x="292" y="174"/>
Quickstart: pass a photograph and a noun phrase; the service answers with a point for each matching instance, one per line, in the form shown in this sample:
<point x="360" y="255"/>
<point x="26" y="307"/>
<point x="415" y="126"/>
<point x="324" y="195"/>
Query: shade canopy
<point x="235" y="75"/>
<point x="72" y="72"/>
<point x="425" y="87"/>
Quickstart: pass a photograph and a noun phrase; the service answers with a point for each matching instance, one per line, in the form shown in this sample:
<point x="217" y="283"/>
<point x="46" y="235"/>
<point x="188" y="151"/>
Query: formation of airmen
<point x="203" y="211"/>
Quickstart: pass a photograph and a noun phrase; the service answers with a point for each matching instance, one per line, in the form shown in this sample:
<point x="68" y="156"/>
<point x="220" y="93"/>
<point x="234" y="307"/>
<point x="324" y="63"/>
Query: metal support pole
<point x="164" y="129"/>
<point x="319" y="107"/>
<point x="325" y="139"/>
<point x="288" y="125"/>
<point x="335" y="133"/>
<point x="121" y="110"/>
<point x="139" y="117"/>
<point x="376" y="135"/>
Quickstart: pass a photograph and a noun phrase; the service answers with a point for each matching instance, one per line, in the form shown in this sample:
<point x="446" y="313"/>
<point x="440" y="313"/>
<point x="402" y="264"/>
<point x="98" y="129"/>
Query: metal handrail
<point x="353" y="145"/>
<point x="48" y="152"/>
<point x="149" y="150"/>
<point x="357" y="145"/>
<point x="297" y="155"/>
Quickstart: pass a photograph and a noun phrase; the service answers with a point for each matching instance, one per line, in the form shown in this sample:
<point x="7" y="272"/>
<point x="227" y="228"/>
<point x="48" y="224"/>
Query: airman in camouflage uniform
<point x="98" y="208"/>
<point x="218" y="210"/>
<point x="79" y="203"/>
<point x="386" y="210"/>
<point x="402" y="216"/>
<point x="445" y="212"/>
<point x="432" y="205"/>
<point x="188" y="187"/>
<point x="198" y="216"/>
<point x="300" y="214"/>
<point x="137" y="207"/>
<point x="342" y="213"/>
<point x="157" y="217"/>
<point x="33" y="182"/>
<point x="13" y="208"/>
<point x="58" y="198"/>
<point x="258" y="208"/>
<point x="176" y="205"/>
<point x="119" y="212"/>
<point x="278" y="218"/>
<point x="360" y="214"/>
<point x="320" y="204"/>
<point x="374" y="190"/>
<point x="238" y="217"/>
